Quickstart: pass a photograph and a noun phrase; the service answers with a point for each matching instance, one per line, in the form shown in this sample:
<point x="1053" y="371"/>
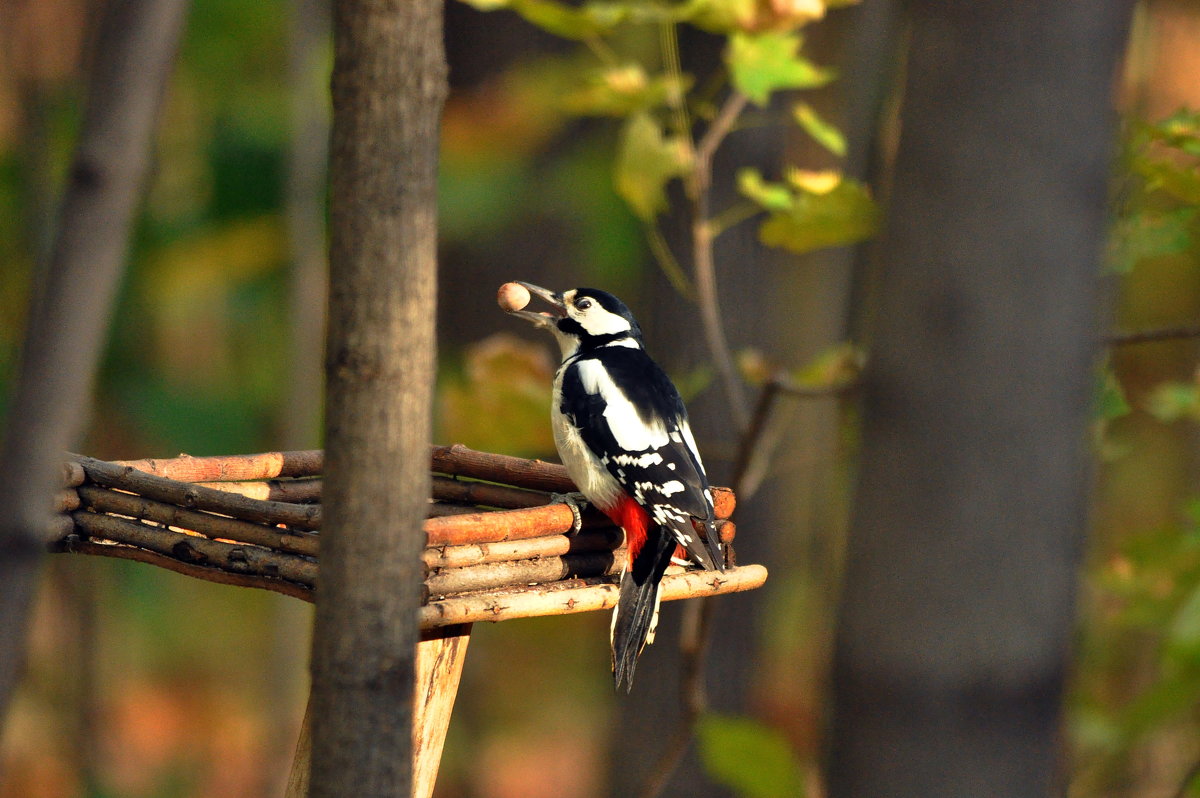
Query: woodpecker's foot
<point x="576" y="501"/>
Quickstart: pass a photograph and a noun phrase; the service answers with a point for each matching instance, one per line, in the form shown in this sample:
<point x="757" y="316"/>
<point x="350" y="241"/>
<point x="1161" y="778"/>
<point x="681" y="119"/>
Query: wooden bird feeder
<point x="496" y="548"/>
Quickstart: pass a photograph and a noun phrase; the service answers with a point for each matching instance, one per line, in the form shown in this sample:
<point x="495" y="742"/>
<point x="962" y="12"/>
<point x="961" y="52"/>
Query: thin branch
<point x="498" y="525"/>
<point x="693" y="697"/>
<point x="668" y="37"/>
<point x="236" y="558"/>
<point x="697" y="616"/>
<point x="211" y="526"/>
<point x="735" y="103"/>
<point x="534" y="474"/>
<point x="493" y="576"/>
<point x="233" y="468"/>
<point x="1186" y="781"/>
<point x="112" y="475"/>
<point x="590" y="540"/>
<point x="295" y="491"/>
<point x="702" y="257"/>
<point x="564" y="598"/>
<point x="732" y="216"/>
<point x="486" y="493"/>
<point x="547" y="546"/>
<point x="668" y="263"/>
<point x="1147" y="336"/>
<point x="557" y="598"/>
<point x="203" y="572"/>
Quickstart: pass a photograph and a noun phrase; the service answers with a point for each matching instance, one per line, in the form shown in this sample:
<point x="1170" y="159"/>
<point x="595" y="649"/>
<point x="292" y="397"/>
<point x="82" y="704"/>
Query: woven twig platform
<point x="496" y="548"/>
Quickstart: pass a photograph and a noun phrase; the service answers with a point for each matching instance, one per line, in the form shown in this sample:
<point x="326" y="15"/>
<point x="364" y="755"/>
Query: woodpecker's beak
<point x="542" y="319"/>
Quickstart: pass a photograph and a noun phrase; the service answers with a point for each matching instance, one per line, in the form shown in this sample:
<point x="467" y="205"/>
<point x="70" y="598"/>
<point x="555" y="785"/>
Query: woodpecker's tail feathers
<point x="704" y="549"/>
<point x="636" y="615"/>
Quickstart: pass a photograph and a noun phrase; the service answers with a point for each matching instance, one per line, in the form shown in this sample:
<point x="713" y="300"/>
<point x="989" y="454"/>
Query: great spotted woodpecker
<point x="622" y="432"/>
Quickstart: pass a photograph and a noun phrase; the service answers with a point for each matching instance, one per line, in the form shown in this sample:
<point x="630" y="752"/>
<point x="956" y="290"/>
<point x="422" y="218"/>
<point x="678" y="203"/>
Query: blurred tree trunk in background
<point x="966" y="540"/>
<point x="70" y="310"/>
<point x="389" y="83"/>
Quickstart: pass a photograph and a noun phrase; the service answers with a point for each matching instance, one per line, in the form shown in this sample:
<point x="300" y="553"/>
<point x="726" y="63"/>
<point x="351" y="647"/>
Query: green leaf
<point x="647" y="161"/>
<point x="558" y="18"/>
<point x="1112" y="402"/>
<point x="1181" y="130"/>
<point x="751" y="758"/>
<point x="620" y="91"/>
<point x="824" y="133"/>
<point x="844" y="215"/>
<point x="838" y="365"/>
<point x="720" y="16"/>
<point x="1172" y="401"/>
<point x="1182" y="183"/>
<point x="1185" y="626"/>
<point x="770" y="196"/>
<point x="762" y="63"/>
<point x="727" y="16"/>
<point x="1149" y="235"/>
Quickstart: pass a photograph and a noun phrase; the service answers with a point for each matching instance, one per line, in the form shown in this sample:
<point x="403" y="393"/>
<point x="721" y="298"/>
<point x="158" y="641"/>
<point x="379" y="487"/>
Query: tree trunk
<point x="389" y="83"/>
<point x="71" y="309"/>
<point x="966" y="540"/>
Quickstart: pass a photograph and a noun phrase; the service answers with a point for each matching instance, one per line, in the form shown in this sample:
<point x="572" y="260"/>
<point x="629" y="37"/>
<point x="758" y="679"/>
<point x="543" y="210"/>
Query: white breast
<point x="585" y="468"/>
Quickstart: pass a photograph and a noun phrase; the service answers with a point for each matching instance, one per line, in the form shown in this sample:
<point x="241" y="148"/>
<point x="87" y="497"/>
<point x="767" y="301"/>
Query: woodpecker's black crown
<point x="597" y="318"/>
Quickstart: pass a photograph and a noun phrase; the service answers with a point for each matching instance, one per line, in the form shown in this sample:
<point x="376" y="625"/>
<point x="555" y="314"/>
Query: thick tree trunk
<point x="965" y="545"/>
<point x="68" y="317"/>
<point x="389" y="83"/>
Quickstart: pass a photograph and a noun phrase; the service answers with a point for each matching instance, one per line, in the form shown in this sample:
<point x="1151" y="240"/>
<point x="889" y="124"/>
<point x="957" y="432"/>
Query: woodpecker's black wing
<point x="631" y="416"/>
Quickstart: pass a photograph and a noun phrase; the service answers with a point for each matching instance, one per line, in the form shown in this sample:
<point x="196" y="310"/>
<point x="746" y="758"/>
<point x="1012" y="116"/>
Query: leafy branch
<point x="806" y="211"/>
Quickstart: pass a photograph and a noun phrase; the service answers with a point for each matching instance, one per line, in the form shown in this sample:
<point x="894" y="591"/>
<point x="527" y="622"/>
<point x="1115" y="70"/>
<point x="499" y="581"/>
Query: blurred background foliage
<point x="144" y="683"/>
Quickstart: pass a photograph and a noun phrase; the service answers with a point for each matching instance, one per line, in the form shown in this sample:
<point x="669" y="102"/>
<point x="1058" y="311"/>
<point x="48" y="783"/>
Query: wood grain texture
<point x="388" y="87"/>
<point x="440" y="657"/>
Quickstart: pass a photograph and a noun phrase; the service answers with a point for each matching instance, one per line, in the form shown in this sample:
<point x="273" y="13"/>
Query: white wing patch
<point x="627" y="426"/>
<point x="670" y="488"/>
<point x="686" y="428"/>
<point x="640" y="460"/>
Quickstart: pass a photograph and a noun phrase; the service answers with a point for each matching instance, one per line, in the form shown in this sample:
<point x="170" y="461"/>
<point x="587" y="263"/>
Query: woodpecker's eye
<point x="583" y="304"/>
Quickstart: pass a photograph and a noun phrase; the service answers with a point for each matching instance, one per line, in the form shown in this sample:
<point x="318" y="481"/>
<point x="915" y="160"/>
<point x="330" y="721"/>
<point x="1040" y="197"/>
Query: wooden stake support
<point x="497" y="548"/>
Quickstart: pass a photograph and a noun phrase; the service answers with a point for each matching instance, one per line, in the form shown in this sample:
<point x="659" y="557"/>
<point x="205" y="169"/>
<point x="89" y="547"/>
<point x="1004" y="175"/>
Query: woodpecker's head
<point x="584" y="318"/>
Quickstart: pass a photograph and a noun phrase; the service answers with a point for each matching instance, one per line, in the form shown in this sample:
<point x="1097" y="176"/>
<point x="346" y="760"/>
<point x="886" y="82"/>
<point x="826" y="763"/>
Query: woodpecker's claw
<point x="576" y="501"/>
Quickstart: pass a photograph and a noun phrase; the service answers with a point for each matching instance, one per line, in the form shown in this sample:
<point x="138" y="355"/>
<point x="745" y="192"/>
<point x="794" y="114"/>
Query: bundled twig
<point x="493" y="551"/>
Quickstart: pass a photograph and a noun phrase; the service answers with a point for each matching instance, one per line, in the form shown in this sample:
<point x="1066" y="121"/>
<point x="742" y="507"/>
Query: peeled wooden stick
<point x="491" y="527"/>
<point x="502" y="551"/>
<point x="521" y="572"/>
<point x="456" y="459"/>
<point x="302" y="516"/>
<point x="211" y="526"/>
<point x="566" y="598"/>
<point x="233" y="468"/>
<point x="303" y="490"/>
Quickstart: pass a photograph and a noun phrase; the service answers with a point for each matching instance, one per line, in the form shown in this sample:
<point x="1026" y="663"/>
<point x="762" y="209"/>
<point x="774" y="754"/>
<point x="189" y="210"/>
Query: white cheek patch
<point x="626" y="425"/>
<point x="598" y="321"/>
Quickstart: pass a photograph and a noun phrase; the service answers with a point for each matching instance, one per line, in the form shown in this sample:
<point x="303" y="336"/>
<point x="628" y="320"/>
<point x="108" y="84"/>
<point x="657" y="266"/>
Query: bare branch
<point x="563" y="598"/>
<point x="1150" y="336"/>
<point x="112" y="475"/>
<point x="213" y="526"/>
<point x="702" y="258"/>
